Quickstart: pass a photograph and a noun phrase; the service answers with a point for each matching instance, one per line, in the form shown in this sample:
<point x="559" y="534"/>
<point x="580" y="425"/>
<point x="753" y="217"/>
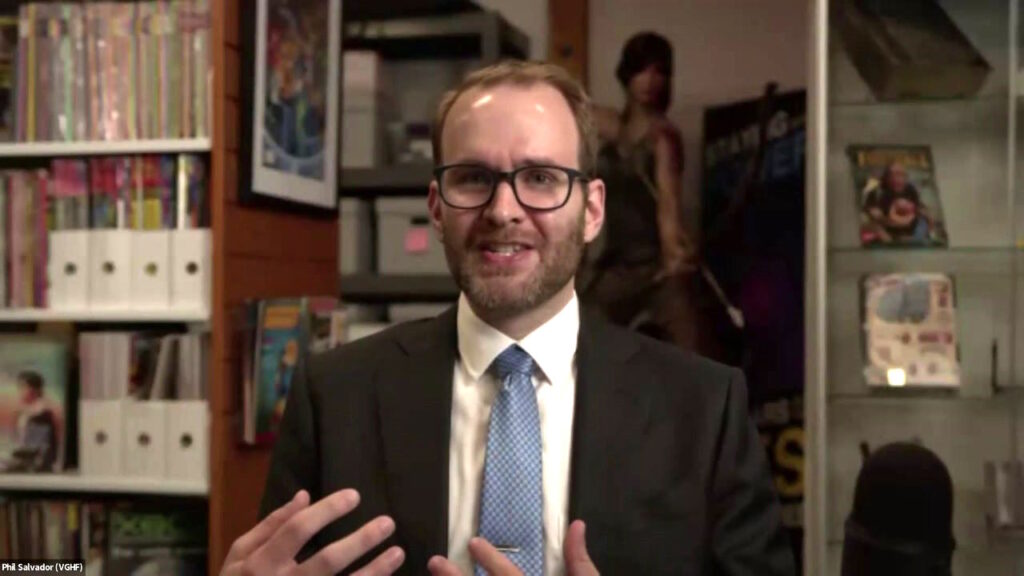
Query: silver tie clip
<point x="507" y="549"/>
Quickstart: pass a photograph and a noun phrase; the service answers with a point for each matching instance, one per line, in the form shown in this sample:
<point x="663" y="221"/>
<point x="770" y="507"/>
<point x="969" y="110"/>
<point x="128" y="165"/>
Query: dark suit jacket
<point x="667" y="470"/>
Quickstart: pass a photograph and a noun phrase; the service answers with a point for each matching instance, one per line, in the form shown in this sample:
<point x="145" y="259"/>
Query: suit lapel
<point x="610" y="417"/>
<point x="415" y="397"/>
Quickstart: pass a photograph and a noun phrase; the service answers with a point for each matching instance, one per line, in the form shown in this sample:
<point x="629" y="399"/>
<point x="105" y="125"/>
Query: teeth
<point x="505" y="250"/>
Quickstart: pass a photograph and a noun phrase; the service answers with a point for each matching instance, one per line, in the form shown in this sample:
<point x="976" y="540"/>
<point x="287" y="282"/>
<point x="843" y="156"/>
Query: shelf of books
<point x="915" y="309"/>
<point x="74" y="482"/>
<point x="101" y="147"/>
<point x="107" y="136"/>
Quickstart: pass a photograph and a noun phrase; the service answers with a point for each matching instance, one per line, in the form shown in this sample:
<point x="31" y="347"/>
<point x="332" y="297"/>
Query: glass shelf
<point x="975" y="180"/>
<point x="984" y="261"/>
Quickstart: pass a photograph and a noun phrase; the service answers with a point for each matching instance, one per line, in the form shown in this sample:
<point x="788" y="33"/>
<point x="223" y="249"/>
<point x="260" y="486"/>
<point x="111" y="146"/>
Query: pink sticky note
<point x="417" y="240"/>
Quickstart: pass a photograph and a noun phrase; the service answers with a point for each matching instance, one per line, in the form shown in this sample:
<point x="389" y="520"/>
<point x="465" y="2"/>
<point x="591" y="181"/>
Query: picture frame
<point x="290" y="121"/>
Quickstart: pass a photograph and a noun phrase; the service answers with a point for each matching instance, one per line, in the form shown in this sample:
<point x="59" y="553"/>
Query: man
<point x="514" y="432"/>
<point x="895" y="205"/>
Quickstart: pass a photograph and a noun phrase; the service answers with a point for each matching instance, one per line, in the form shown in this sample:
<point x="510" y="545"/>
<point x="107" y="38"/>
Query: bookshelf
<point x="73" y="482"/>
<point x="249" y="261"/>
<point x="99" y="148"/>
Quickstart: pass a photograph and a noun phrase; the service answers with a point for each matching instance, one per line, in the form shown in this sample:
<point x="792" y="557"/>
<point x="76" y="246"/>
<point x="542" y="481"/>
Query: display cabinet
<point x="914" y="295"/>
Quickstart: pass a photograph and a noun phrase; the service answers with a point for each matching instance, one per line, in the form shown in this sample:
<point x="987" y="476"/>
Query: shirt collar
<point x="552" y="345"/>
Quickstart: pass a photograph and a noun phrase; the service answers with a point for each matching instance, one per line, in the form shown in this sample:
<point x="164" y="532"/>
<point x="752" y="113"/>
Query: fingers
<point x="385" y="564"/>
<point x="441" y="566"/>
<point x="488" y="557"/>
<point x="253" y="539"/>
<point x="577" y="559"/>
<point x="339" y="555"/>
<point x="293" y="535"/>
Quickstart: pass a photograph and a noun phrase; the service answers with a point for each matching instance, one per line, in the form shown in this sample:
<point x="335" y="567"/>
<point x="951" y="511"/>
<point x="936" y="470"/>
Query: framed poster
<point x="291" y="62"/>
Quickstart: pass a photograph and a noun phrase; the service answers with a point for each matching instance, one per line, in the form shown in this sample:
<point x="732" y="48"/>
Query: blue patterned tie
<point x="511" y="500"/>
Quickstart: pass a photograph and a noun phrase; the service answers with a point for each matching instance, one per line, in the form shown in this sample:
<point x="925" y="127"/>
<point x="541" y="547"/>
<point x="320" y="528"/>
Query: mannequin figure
<point x="643" y="275"/>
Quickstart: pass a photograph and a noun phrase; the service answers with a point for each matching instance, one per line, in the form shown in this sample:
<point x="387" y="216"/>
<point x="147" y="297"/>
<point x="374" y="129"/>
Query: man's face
<point x="897" y="178"/>
<point x="506" y="258"/>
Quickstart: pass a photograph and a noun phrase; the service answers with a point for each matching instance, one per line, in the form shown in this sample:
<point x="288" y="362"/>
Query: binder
<point x="188" y="440"/>
<point x="110" y="259"/>
<point x="145" y="438"/>
<point x="68" y="269"/>
<point x="151" y="278"/>
<point x="191" y="273"/>
<point x="100" y="438"/>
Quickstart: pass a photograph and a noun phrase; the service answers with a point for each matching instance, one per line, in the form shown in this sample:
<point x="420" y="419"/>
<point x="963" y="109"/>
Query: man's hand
<point x="577" y="560"/>
<point x="271" y="546"/>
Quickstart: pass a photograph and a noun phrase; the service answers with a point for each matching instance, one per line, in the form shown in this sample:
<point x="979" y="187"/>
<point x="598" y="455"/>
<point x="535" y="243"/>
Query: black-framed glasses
<point x="537" y="187"/>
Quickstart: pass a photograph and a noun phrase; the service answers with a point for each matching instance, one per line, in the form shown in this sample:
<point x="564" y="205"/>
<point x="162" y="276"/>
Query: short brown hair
<point x="527" y="73"/>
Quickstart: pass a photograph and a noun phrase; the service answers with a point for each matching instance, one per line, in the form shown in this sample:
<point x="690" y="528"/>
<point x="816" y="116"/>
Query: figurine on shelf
<point x="643" y="274"/>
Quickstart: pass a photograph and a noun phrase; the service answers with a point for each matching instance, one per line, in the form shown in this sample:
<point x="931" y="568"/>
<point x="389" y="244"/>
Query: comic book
<point x="154" y="538"/>
<point x="8" y="70"/>
<point x="33" y="404"/>
<point x="897" y="196"/>
<point x="910" y="330"/>
<point x="279" y="343"/>
<point x="278" y="335"/>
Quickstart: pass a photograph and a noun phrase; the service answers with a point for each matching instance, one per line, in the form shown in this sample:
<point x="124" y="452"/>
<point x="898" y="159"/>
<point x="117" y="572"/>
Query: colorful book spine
<point x="16" y="220"/>
<point x="41" y="240"/>
<point x="4" y="219"/>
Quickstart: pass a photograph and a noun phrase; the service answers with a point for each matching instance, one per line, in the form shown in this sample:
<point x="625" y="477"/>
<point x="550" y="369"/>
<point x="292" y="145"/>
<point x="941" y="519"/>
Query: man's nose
<point x="504" y="208"/>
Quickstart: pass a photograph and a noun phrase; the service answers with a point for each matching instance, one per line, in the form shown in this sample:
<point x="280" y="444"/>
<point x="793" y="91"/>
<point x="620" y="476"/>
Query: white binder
<point x="67" y="269"/>
<point x="188" y="444"/>
<point x="151" y="277"/>
<point x="110" y="260"/>
<point x="191" y="273"/>
<point x="100" y="438"/>
<point x="145" y="438"/>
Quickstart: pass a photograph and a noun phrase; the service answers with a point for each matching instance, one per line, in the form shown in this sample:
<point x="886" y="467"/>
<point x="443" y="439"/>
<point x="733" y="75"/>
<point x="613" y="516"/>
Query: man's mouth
<point x="505" y="249"/>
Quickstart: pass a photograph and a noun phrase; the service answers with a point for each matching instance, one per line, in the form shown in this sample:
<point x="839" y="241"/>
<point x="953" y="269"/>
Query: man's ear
<point x="434" y="206"/>
<point x="593" y="211"/>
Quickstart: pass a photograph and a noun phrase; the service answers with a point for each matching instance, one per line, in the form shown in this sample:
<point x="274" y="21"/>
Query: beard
<point x="501" y="294"/>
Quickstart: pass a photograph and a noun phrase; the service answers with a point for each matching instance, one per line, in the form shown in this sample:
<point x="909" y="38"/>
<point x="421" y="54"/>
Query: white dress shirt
<point x="553" y="348"/>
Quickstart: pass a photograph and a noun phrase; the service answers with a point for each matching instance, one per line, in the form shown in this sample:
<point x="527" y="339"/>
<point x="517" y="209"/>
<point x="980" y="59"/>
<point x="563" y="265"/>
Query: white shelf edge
<point x="27" y="149"/>
<point x="74" y="482"/>
<point x="101" y="315"/>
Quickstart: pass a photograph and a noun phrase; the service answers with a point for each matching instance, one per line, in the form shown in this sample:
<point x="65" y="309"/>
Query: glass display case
<point x="915" y="300"/>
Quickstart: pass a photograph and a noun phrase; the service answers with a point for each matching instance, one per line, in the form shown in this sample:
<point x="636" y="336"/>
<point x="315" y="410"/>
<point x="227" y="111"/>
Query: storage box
<point x="363" y="110"/>
<point x="406" y="242"/>
<point x="909" y="49"/>
<point x="188" y="444"/>
<point x="191" y="272"/>
<point x="100" y="438"/>
<point x="110" y="262"/>
<point x="145" y="438"/>
<point x="355" y="236"/>
<point x="67" y="269"/>
<point x="151" y="268"/>
<point x="362" y="142"/>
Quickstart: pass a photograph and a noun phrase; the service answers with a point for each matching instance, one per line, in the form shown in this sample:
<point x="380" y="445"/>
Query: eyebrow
<point x="523" y="162"/>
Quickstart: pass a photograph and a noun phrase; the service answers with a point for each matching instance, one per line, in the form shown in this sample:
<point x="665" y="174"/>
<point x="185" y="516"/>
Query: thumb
<point x="577" y="559"/>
